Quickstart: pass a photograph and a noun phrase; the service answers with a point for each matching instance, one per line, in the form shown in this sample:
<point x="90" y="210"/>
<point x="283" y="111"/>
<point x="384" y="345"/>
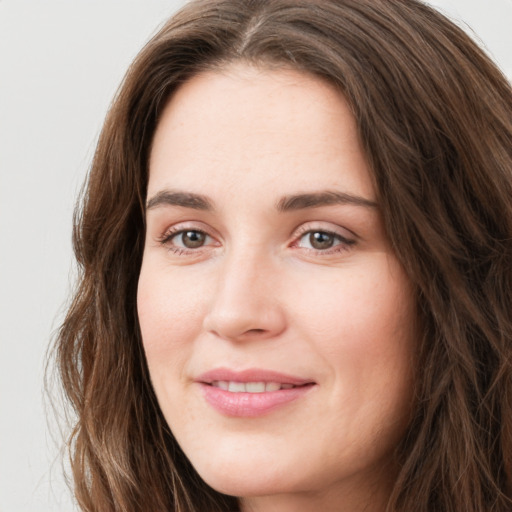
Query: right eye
<point x="184" y="241"/>
<point x="190" y="239"/>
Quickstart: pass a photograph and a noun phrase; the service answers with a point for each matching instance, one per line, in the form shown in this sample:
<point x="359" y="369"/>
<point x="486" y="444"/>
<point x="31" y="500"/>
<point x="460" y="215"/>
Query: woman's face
<point x="276" y="320"/>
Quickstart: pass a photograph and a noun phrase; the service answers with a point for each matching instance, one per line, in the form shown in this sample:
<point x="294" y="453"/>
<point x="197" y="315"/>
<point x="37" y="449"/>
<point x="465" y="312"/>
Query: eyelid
<point x="326" y="227"/>
<point x="184" y="225"/>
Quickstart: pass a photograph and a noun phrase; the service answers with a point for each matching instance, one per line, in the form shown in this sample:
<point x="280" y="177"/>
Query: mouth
<point x="251" y="393"/>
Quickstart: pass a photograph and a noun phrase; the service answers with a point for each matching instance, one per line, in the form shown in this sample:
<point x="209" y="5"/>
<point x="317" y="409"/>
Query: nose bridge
<point x="244" y="303"/>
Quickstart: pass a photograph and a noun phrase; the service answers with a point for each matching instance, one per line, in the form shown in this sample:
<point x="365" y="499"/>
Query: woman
<point x="295" y="246"/>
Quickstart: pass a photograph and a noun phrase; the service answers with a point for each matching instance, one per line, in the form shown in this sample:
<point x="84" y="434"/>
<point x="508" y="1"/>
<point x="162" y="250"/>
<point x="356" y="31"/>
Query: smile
<point x="251" y="393"/>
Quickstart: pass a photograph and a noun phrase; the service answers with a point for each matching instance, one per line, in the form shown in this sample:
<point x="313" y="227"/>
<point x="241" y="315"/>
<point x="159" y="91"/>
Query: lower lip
<point x="249" y="405"/>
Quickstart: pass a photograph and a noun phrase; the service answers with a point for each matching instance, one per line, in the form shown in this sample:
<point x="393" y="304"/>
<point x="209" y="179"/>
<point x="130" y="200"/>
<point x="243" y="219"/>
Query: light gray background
<point x="60" y="64"/>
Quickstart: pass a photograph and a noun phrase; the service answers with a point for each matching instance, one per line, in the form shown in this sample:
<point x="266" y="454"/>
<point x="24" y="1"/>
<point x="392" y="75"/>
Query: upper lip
<point x="251" y="375"/>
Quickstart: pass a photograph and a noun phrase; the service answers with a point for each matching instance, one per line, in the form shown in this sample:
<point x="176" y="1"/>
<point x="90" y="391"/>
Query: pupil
<point x="193" y="239"/>
<point x="320" y="240"/>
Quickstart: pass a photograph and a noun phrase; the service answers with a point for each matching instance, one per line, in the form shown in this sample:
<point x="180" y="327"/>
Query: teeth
<point x="250" y="387"/>
<point x="236" y="387"/>
<point x="255" y="387"/>
<point x="272" y="386"/>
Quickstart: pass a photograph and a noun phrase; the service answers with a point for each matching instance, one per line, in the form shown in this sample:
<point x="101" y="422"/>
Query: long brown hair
<point x="435" y="119"/>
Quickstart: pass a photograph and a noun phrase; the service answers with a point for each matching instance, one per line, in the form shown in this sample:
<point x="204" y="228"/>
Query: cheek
<point x="363" y="326"/>
<point x="364" y="312"/>
<point x="169" y="316"/>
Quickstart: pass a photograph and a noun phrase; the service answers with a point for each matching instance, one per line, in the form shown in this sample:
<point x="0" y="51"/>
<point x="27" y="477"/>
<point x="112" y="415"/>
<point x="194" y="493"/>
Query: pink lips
<point x="251" y="404"/>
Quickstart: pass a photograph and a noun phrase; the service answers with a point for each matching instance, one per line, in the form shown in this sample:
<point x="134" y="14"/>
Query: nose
<point x="245" y="304"/>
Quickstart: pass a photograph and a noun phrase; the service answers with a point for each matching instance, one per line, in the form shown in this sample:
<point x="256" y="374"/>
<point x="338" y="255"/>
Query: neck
<point x="345" y="497"/>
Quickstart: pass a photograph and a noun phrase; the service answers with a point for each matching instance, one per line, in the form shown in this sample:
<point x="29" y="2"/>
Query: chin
<point x="246" y="486"/>
<point x="246" y="480"/>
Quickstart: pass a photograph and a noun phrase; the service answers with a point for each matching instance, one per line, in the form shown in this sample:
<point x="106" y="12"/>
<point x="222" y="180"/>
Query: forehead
<point x="248" y="124"/>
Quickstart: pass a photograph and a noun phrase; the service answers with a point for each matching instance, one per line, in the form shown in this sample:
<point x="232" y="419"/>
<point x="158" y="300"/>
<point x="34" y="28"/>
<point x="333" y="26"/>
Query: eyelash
<point x="343" y="245"/>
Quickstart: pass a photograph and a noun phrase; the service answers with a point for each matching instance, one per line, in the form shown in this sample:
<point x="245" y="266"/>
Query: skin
<point x="258" y="292"/>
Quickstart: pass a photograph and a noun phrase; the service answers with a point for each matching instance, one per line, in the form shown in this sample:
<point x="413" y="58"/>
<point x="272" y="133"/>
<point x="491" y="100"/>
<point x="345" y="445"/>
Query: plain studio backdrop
<point x="60" y="65"/>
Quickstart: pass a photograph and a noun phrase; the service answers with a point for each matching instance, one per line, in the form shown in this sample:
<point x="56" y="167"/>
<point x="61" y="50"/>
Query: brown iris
<point x="321" y="240"/>
<point x="193" y="239"/>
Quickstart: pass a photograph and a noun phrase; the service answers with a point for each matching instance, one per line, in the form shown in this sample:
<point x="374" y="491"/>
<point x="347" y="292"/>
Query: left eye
<point x="320" y="240"/>
<point x="190" y="239"/>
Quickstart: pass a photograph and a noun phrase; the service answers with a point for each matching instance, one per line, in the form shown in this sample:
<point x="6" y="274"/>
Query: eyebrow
<point x="317" y="199"/>
<point x="183" y="199"/>
<point x="285" y="204"/>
